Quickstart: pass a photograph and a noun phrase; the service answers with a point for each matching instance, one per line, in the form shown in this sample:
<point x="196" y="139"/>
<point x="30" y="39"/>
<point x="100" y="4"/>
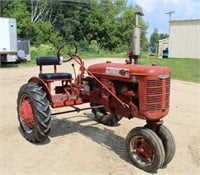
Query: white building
<point x="163" y="45"/>
<point x="184" y="39"/>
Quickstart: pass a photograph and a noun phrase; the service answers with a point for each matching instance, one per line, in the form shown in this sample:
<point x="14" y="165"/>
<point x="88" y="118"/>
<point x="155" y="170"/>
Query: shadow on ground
<point x="104" y="137"/>
<point x="8" y="65"/>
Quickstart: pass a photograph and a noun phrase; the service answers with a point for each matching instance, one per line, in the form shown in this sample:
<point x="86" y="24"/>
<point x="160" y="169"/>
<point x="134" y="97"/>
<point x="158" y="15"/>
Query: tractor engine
<point x="125" y="91"/>
<point x="131" y="90"/>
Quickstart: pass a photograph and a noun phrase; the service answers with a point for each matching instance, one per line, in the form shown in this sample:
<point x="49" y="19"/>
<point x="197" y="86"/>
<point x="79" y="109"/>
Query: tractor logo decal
<point x="163" y="76"/>
<point x="117" y="71"/>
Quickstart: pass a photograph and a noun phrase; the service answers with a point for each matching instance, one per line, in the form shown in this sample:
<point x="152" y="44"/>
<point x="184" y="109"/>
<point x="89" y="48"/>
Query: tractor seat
<point x="47" y="60"/>
<point x="51" y="60"/>
<point x="55" y="76"/>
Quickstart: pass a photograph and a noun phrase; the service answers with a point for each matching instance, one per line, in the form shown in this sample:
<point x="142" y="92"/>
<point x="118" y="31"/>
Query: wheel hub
<point x="26" y="113"/>
<point x="142" y="150"/>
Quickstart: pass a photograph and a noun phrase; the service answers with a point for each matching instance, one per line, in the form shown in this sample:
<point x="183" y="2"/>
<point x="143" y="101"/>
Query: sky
<point x="154" y="12"/>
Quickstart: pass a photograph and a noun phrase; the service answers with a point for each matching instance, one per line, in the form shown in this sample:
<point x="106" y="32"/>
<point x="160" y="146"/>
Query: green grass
<point x="182" y="68"/>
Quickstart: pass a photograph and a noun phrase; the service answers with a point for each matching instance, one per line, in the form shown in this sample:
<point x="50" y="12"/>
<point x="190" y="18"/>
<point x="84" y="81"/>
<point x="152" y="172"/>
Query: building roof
<point x="164" y="40"/>
<point x="185" y="20"/>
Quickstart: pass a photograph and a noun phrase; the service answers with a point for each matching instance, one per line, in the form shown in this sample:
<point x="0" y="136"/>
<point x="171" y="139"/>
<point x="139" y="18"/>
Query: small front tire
<point x="168" y="143"/>
<point x="145" y="149"/>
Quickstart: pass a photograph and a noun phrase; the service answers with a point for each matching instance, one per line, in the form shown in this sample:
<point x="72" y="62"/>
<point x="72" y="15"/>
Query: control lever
<point x="74" y="70"/>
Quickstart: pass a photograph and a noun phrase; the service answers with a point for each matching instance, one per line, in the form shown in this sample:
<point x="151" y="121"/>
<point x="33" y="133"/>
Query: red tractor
<point x="113" y="91"/>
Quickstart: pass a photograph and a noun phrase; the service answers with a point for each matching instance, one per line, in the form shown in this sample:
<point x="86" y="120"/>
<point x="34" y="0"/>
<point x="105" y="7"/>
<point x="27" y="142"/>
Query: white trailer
<point x="10" y="48"/>
<point x="8" y="40"/>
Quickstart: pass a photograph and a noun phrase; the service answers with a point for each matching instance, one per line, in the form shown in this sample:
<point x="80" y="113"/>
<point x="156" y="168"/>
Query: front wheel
<point x="145" y="149"/>
<point x="168" y="143"/>
<point x="33" y="112"/>
<point x="104" y="117"/>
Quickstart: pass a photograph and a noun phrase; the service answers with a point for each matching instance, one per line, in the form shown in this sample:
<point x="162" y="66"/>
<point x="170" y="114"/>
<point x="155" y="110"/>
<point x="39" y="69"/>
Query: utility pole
<point x="170" y="17"/>
<point x="170" y="14"/>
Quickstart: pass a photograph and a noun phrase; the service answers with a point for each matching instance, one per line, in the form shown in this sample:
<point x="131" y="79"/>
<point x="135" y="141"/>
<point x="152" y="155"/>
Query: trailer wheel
<point x="33" y="112"/>
<point x="104" y="117"/>
<point x="168" y="143"/>
<point x="145" y="149"/>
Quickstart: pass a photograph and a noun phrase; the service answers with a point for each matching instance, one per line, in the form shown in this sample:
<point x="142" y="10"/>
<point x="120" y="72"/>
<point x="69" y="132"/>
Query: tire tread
<point x="41" y="110"/>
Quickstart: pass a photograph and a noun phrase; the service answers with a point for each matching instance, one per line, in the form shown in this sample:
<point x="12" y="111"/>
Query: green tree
<point x="107" y="23"/>
<point x="154" y="39"/>
<point x="162" y="36"/>
<point x="110" y="23"/>
<point x="17" y="9"/>
<point x="126" y="28"/>
<point x="31" y="23"/>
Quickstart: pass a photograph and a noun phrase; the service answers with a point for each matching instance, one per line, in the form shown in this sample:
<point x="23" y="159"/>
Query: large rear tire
<point x="145" y="149"/>
<point x="33" y="112"/>
<point x="104" y="117"/>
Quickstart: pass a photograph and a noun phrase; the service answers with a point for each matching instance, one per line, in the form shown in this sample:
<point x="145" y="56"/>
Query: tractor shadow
<point x="8" y="65"/>
<point x="103" y="136"/>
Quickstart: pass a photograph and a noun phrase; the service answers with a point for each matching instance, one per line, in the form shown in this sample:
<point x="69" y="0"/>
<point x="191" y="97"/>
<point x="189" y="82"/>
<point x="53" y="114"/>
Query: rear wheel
<point x="104" y="117"/>
<point x="33" y="112"/>
<point x="145" y="149"/>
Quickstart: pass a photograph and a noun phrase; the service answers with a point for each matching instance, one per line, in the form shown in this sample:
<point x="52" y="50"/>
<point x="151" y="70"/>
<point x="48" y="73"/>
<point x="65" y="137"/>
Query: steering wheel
<point x="66" y="51"/>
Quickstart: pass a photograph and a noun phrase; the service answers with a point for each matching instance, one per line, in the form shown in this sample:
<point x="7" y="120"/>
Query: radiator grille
<point x="157" y="94"/>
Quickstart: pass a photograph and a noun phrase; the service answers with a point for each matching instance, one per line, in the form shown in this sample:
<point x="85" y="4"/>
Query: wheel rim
<point x="141" y="151"/>
<point x="26" y="114"/>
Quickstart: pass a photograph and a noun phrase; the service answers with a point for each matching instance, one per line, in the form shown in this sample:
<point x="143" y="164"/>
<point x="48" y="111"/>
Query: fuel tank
<point x="127" y="71"/>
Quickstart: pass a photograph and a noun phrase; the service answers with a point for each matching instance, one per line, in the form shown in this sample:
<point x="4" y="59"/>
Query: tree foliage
<point x="108" y="23"/>
<point x="154" y="39"/>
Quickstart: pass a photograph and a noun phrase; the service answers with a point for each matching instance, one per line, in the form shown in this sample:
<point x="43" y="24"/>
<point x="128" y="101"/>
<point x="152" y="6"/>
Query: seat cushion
<point x="55" y="76"/>
<point x="47" y="61"/>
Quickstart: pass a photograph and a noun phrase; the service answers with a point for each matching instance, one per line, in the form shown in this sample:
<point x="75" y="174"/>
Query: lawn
<point x="182" y="68"/>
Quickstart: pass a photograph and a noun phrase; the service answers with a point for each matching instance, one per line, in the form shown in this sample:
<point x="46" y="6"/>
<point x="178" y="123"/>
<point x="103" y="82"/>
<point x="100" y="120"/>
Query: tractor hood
<point x="126" y="71"/>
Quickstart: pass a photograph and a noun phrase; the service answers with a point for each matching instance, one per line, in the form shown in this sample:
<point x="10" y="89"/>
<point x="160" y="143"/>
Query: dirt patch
<point x="194" y="148"/>
<point x="79" y="145"/>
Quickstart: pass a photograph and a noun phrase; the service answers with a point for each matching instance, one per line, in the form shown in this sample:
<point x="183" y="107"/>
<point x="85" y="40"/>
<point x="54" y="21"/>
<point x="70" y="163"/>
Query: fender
<point x="40" y="82"/>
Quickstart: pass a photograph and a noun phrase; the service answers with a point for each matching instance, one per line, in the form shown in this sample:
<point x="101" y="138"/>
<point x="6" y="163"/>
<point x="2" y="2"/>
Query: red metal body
<point x="123" y="89"/>
<point x="151" y="86"/>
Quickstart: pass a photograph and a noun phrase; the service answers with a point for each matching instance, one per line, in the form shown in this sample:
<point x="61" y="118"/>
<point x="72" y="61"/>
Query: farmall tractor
<point x="114" y="91"/>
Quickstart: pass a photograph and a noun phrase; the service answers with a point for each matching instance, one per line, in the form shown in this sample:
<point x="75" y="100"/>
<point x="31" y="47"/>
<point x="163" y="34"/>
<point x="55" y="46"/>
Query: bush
<point x="42" y="50"/>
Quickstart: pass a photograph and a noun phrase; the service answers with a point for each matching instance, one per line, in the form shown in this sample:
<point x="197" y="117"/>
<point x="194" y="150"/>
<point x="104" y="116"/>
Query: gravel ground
<point x="79" y="145"/>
